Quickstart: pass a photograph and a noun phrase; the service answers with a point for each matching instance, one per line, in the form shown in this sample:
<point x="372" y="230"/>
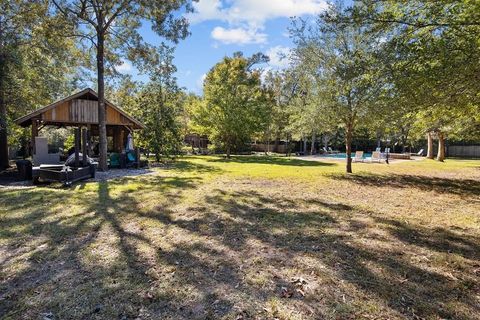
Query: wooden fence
<point x="472" y="151"/>
<point x="260" y="147"/>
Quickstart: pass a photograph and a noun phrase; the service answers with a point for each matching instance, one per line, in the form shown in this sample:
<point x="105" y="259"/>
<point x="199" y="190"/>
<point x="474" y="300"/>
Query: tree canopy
<point x="235" y="104"/>
<point x="37" y="64"/>
<point x="397" y="71"/>
<point x="110" y="30"/>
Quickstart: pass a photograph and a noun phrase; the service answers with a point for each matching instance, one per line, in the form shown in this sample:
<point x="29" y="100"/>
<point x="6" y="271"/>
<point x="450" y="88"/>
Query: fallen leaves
<point x="297" y="287"/>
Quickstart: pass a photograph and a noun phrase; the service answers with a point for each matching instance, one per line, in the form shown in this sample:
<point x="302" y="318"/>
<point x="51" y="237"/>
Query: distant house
<point x="196" y="141"/>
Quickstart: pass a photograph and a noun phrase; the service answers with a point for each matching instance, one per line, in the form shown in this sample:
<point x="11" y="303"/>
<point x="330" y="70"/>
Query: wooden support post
<point x="117" y="139"/>
<point x="84" y="147"/>
<point x="122" y="139"/>
<point x="77" y="147"/>
<point x="34" y="134"/>
<point x="89" y="140"/>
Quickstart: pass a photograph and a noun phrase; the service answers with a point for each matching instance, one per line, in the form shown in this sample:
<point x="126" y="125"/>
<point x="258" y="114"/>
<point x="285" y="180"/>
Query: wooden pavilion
<point x="80" y="110"/>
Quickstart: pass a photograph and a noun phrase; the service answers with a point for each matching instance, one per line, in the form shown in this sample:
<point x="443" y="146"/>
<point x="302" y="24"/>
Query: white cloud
<point x="253" y="12"/>
<point x="279" y="56"/>
<point x="238" y="35"/>
<point x="201" y="81"/>
<point x="250" y="15"/>
<point x="205" y="10"/>
<point x="125" y="67"/>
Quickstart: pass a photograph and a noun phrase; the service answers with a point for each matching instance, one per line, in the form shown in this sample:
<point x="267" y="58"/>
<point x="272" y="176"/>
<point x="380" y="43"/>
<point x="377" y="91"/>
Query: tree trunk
<point x="312" y="147"/>
<point x="430" y="145"/>
<point x="304" y="146"/>
<point x="379" y="139"/>
<point x="325" y="141"/>
<point x="228" y="152"/>
<point x="348" y="147"/>
<point x="3" y="119"/>
<point x="267" y="142"/>
<point x="102" y="121"/>
<point x="441" y="147"/>
<point x="287" y="146"/>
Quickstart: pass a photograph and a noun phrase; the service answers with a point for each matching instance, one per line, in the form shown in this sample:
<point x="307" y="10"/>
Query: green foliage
<point x="191" y="106"/>
<point x="278" y="87"/>
<point x="109" y="31"/>
<point x="341" y="61"/>
<point x="69" y="142"/>
<point x="116" y="25"/>
<point x="37" y="64"/>
<point x="235" y="105"/>
<point x="161" y="111"/>
<point x="159" y="105"/>
<point x="431" y="55"/>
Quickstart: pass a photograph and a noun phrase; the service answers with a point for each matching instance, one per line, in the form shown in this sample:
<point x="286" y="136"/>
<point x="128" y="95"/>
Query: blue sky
<point x="221" y="27"/>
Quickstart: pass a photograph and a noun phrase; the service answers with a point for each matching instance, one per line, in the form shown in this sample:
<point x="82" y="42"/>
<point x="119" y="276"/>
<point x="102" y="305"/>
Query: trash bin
<point x="24" y="168"/>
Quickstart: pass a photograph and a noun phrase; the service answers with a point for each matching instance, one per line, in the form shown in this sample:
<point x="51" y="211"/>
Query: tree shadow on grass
<point x="57" y="260"/>
<point x="229" y="256"/>
<point x="189" y="166"/>
<point x="279" y="161"/>
<point x="435" y="239"/>
<point x="380" y="273"/>
<point x="463" y="187"/>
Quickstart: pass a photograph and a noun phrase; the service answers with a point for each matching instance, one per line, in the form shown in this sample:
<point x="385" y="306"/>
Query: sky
<point x="221" y="27"/>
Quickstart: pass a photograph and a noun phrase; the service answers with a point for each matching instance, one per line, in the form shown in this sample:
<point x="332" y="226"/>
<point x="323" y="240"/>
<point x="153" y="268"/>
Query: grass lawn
<point x="249" y="238"/>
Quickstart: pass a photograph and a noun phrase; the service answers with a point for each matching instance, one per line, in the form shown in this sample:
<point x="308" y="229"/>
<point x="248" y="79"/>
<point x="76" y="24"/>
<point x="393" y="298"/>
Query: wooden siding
<point x="83" y="111"/>
<point x="60" y="113"/>
<point x="115" y="117"/>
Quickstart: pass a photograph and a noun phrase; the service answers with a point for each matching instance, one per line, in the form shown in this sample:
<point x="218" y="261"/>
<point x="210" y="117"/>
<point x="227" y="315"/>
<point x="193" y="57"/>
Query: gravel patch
<point x="120" y="173"/>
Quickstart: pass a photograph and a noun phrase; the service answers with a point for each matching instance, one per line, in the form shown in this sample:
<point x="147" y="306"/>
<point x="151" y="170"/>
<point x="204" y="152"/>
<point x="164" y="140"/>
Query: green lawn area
<point x="247" y="238"/>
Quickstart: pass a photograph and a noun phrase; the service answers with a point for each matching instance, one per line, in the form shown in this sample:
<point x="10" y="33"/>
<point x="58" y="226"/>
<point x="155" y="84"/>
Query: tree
<point x="112" y="28"/>
<point x="307" y="104"/>
<point x="36" y="63"/>
<point x="235" y="103"/>
<point x="343" y="56"/>
<point x="435" y="45"/>
<point x="281" y="87"/>
<point x="160" y="104"/>
<point x="191" y="103"/>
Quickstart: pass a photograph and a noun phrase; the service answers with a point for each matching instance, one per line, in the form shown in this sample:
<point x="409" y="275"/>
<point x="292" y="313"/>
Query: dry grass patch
<point x="250" y="238"/>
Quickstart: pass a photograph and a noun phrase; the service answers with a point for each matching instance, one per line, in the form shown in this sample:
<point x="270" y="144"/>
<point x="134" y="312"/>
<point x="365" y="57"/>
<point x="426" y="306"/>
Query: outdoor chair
<point x="358" y="157"/>
<point x="420" y="153"/>
<point x="132" y="159"/>
<point x="331" y="150"/>
<point x="114" y="160"/>
<point x="384" y="154"/>
<point x="376" y="157"/>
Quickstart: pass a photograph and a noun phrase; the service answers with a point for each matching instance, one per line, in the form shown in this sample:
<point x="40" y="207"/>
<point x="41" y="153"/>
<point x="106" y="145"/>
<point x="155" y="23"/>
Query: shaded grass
<point x="280" y="161"/>
<point x="246" y="239"/>
<point x="467" y="187"/>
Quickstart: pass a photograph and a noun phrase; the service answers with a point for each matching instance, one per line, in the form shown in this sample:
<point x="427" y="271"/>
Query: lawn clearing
<point x="247" y="238"/>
